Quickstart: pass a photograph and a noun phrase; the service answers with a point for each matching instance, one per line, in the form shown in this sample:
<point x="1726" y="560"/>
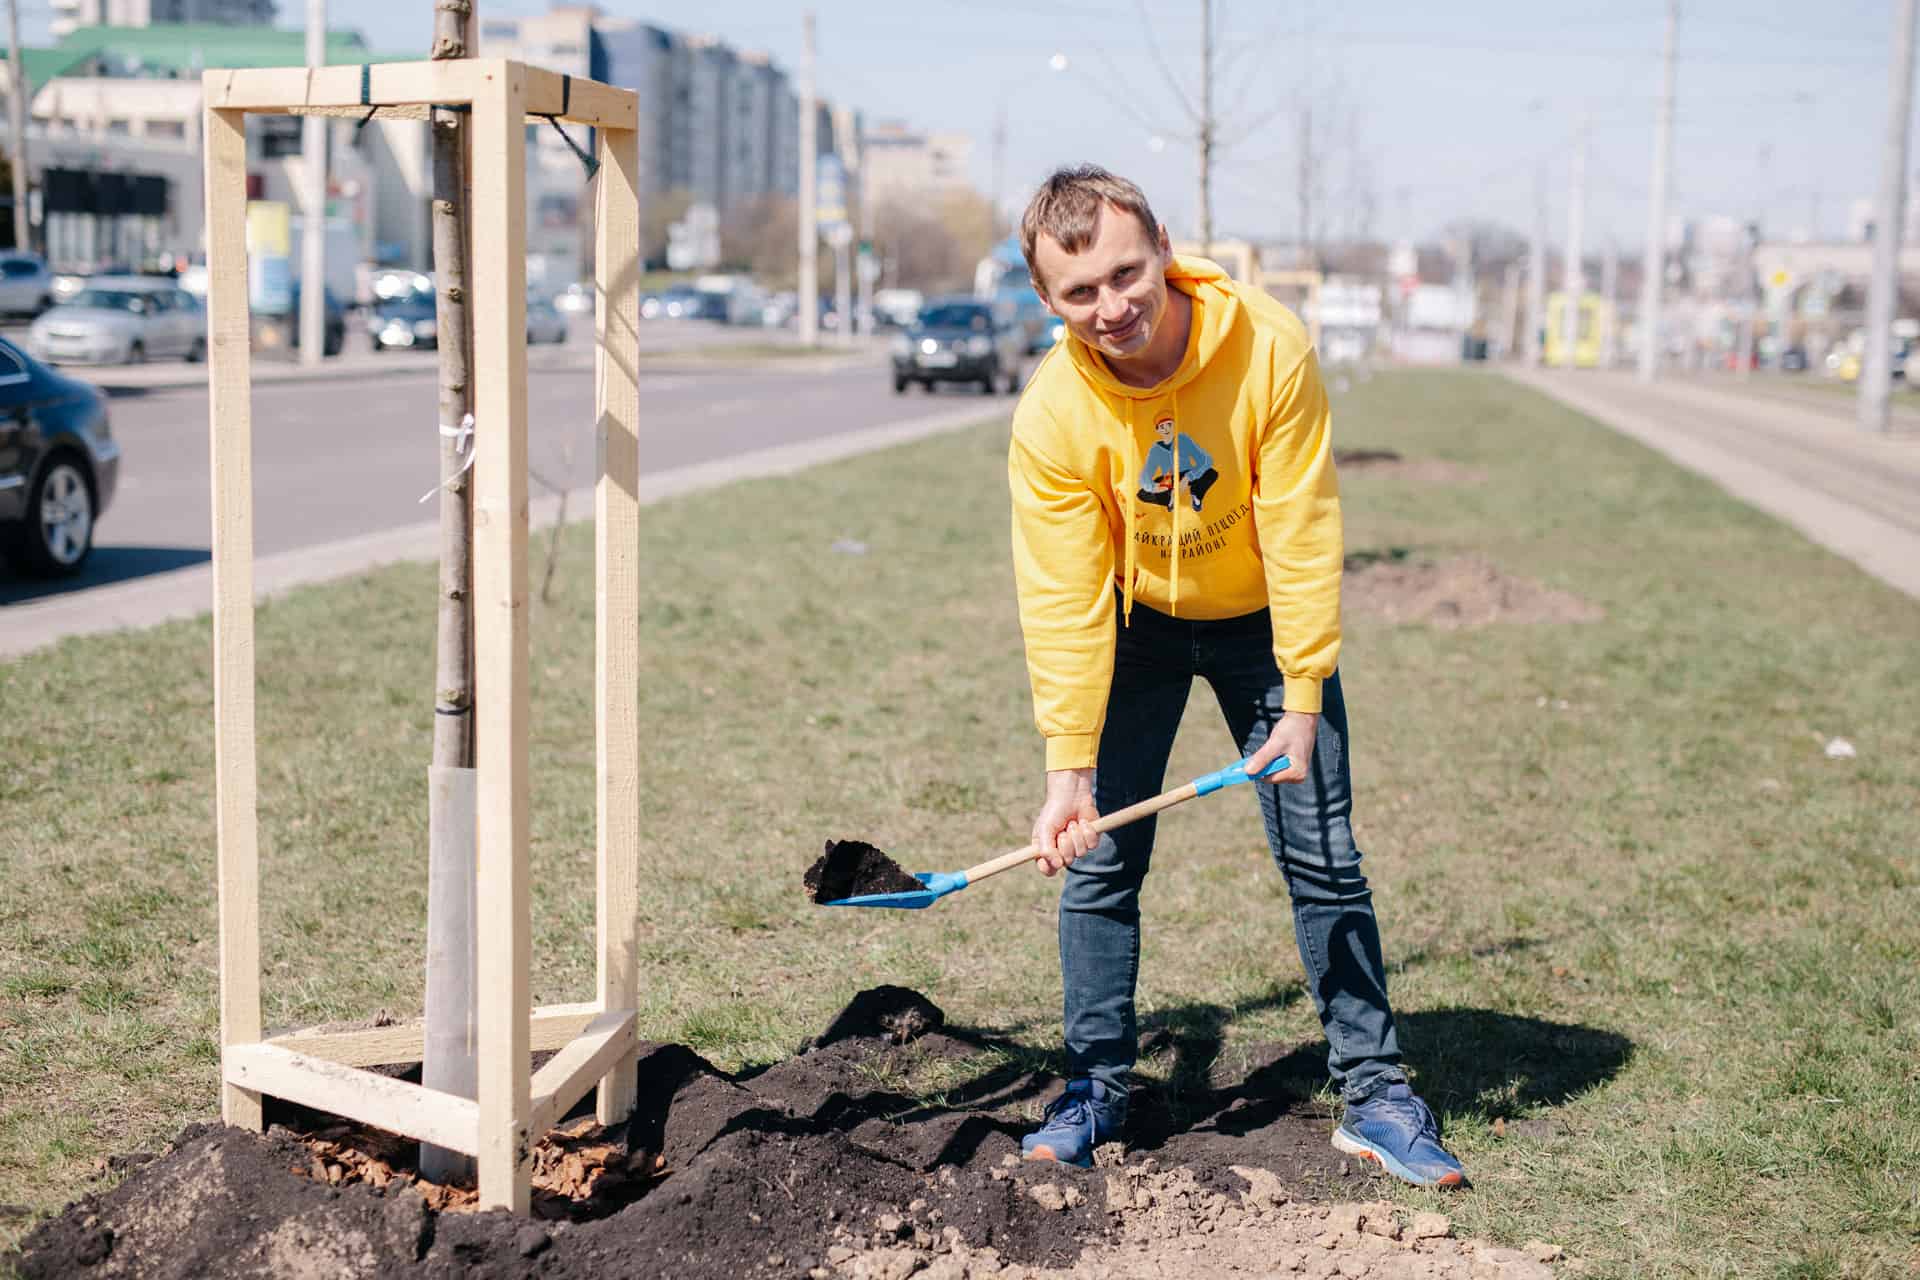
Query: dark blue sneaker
<point x="1077" y="1121"/>
<point x="1396" y="1131"/>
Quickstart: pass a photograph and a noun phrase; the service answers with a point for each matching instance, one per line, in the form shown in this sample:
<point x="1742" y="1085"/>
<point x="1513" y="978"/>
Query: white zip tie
<point x="463" y="435"/>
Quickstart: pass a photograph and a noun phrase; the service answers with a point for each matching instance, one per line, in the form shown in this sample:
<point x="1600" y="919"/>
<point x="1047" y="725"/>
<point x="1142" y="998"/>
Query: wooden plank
<point x="553" y="1026"/>
<point x="616" y="610"/>
<point x="587" y="101"/>
<point x="236" y="775"/>
<point x="500" y="632"/>
<point x="571" y="1072"/>
<point x="336" y="89"/>
<point x="280" y="89"/>
<point x="386" y="1103"/>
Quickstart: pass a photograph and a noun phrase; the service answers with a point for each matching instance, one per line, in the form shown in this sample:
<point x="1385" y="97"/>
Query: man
<point x="1175" y="514"/>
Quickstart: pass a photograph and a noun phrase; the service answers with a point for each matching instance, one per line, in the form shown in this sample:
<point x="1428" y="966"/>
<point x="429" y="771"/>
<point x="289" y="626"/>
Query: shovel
<point x="941" y="883"/>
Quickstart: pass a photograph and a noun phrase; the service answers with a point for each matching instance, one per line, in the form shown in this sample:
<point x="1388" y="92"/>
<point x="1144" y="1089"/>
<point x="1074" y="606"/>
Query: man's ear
<point x="1166" y="245"/>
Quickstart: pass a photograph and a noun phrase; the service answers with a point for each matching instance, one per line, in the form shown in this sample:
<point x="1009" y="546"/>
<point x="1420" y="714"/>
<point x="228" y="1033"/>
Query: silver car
<point x="26" y="286"/>
<point x="122" y="320"/>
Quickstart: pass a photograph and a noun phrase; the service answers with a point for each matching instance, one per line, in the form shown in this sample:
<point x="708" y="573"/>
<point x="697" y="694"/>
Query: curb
<point x="188" y="593"/>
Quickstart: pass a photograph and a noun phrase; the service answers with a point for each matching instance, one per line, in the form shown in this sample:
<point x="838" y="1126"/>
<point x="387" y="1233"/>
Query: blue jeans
<point x="1155" y="662"/>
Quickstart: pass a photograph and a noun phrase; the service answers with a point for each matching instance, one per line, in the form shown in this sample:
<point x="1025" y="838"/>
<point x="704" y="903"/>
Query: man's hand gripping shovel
<point x="941" y="883"/>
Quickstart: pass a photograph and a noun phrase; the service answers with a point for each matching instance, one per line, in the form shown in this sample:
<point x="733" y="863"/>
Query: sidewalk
<point x="1790" y="455"/>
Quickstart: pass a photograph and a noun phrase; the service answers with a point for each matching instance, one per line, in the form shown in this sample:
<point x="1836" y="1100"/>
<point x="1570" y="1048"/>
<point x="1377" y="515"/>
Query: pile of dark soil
<point x="807" y="1168"/>
<point x="851" y="868"/>
<point x="1463" y="591"/>
<point x="1389" y="462"/>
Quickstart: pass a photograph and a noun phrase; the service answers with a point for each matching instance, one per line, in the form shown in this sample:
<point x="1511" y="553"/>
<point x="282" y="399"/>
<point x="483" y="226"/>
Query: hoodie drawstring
<point x="1173" y="587"/>
<point x="1132" y="505"/>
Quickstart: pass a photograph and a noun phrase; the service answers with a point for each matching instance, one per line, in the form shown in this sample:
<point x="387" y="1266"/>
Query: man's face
<point x="1112" y="294"/>
<point x="1164" y="429"/>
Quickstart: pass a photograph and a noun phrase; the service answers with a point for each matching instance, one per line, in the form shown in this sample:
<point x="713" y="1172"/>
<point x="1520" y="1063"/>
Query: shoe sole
<point x="1046" y="1153"/>
<point x="1350" y="1145"/>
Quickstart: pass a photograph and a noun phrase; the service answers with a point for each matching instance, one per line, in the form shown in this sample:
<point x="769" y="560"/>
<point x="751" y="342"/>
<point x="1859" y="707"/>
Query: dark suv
<point x="58" y="465"/>
<point x="960" y="340"/>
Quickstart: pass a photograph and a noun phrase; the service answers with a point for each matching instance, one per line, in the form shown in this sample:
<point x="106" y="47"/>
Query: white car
<point x="122" y="320"/>
<point x="26" y="285"/>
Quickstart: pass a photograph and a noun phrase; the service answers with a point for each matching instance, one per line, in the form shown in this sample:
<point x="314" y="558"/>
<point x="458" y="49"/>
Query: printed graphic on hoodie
<point x="1176" y="469"/>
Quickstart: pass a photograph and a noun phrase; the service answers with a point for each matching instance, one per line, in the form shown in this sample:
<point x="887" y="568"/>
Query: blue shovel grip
<point x="1208" y="783"/>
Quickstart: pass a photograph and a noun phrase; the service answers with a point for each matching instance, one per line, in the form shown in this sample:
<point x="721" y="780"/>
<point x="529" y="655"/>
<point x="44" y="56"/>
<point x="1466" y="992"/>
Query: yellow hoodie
<point x="1211" y="495"/>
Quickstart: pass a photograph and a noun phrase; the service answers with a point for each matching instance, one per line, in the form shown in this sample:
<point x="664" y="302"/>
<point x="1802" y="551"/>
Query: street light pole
<point x="1653" y="266"/>
<point x="313" y="239"/>
<point x="1576" y="272"/>
<point x="1883" y="295"/>
<point x="17" y="89"/>
<point x="809" y="289"/>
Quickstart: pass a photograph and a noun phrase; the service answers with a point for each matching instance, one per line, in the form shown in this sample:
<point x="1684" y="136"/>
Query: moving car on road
<point x="961" y="340"/>
<point x="58" y="465"/>
<point x="122" y="320"/>
<point x="404" y="322"/>
<point x="544" y="322"/>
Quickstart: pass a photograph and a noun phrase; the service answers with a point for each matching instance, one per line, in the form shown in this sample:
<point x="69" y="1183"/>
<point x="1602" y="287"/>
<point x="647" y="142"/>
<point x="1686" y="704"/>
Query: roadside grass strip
<point x="1657" y="957"/>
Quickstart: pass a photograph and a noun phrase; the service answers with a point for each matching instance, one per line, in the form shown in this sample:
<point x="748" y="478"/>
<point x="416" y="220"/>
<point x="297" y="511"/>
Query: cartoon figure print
<point x="1176" y="467"/>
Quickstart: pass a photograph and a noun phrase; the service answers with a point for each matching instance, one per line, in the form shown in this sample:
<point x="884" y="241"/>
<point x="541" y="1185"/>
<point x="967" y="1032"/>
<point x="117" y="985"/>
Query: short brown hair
<point x="1067" y="208"/>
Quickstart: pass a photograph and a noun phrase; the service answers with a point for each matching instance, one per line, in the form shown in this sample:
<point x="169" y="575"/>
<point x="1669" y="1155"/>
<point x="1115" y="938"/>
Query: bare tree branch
<point x="1166" y="72"/>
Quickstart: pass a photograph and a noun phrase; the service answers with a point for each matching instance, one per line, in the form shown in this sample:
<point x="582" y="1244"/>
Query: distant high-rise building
<point x="69" y="15"/>
<point x="904" y="163"/>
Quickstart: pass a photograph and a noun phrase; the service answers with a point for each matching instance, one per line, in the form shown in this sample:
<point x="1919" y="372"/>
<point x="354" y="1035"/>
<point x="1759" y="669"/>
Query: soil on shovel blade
<point x="806" y="1169"/>
<point x="851" y="868"/>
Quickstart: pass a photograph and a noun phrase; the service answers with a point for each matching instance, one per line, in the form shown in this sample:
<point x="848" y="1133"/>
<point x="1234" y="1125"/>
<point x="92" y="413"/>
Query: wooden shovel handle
<point x="1118" y="818"/>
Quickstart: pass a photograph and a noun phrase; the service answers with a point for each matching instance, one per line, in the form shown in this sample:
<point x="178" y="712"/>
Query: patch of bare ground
<point x="1459" y="591"/>
<point x="806" y="1169"/>
<point x="1389" y="462"/>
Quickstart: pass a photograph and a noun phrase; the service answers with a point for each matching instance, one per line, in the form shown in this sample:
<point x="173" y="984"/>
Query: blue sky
<point x="1454" y="108"/>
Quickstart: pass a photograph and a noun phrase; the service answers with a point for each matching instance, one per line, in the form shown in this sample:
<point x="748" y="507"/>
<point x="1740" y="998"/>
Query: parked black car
<point x="59" y="464"/>
<point x="960" y="340"/>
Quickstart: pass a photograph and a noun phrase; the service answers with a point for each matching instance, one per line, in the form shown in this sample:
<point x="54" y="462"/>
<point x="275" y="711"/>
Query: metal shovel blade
<point x="939" y="885"/>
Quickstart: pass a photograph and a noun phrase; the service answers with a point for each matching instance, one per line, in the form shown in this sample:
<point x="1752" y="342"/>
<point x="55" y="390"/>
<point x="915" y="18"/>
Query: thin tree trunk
<point x="449" y="1058"/>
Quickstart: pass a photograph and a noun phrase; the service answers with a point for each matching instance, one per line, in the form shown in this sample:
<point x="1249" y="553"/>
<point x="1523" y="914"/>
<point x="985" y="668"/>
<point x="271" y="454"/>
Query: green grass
<point x="1644" y="925"/>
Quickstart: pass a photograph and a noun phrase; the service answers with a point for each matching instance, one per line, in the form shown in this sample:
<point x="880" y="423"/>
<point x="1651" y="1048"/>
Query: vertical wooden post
<point x="500" y="633"/>
<point x="617" y="590"/>
<point x="236" y="777"/>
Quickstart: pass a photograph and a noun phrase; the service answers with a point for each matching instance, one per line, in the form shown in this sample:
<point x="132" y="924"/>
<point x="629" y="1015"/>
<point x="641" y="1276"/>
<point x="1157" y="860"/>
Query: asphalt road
<point x="342" y="458"/>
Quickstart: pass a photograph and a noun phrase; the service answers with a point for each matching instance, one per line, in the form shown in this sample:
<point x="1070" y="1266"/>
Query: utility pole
<point x="1509" y="310"/>
<point x="449" y="1063"/>
<point x="1206" y="128"/>
<point x="809" y="160"/>
<point x="1576" y="273"/>
<point x="1653" y="266"/>
<point x="1609" y="284"/>
<point x="313" y="239"/>
<point x="17" y="121"/>
<point x="1883" y="294"/>
<point x="1537" y="271"/>
<point x="999" y="165"/>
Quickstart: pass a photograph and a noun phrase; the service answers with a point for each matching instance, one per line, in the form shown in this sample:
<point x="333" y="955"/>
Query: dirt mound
<point x="1388" y="462"/>
<point x="1464" y="591"/>
<point x="804" y="1169"/>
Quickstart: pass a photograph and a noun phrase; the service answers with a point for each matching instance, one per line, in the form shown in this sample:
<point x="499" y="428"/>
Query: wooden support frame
<point x="595" y="1042"/>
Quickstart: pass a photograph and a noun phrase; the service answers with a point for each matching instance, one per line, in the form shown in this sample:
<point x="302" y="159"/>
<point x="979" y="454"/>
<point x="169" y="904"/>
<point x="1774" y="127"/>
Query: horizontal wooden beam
<point x="575" y="1069"/>
<point x="383" y="1102"/>
<point x="409" y="87"/>
<point x="553" y="1026"/>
